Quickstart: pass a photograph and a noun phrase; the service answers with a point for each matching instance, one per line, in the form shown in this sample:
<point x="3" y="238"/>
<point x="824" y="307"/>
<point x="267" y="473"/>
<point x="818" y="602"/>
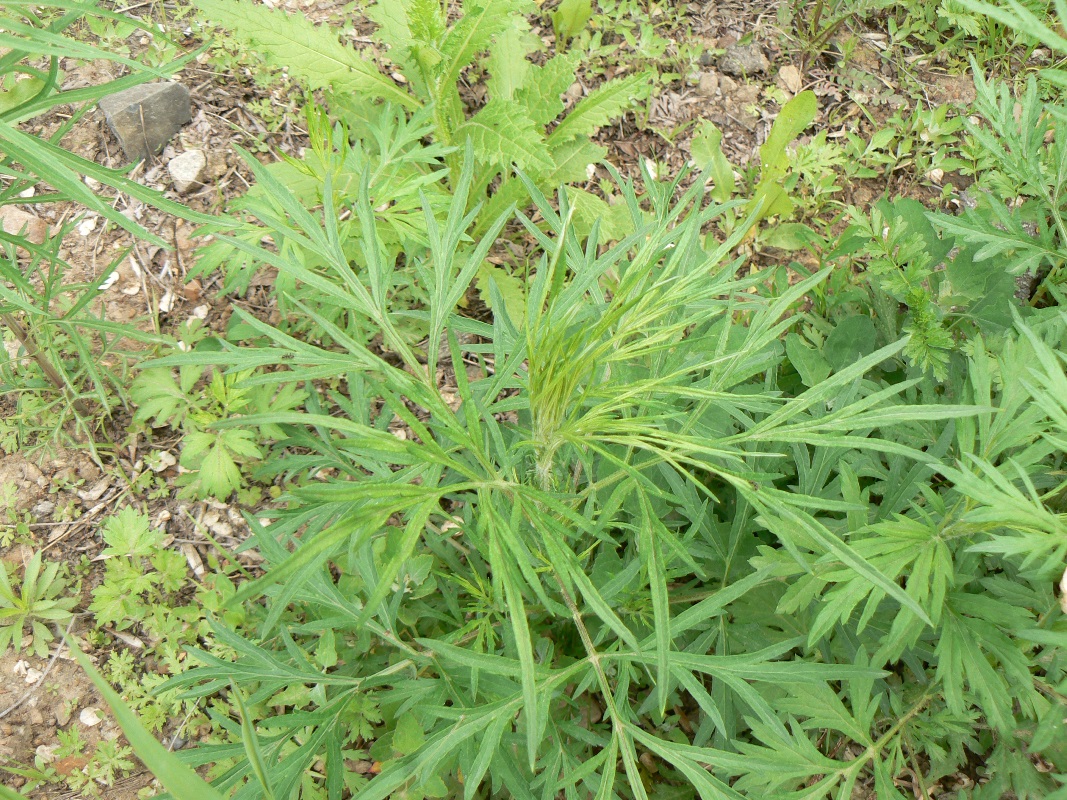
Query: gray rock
<point x="743" y="59"/>
<point x="187" y="170"/>
<point x="709" y="84"/>
<point x="145" y="117"/>
<point x="44" y="509"/>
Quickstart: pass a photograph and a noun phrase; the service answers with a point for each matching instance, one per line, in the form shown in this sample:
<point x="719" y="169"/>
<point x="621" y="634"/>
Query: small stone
<point x="43" y="509"/>
<point x="728" y="85"/>
<point x="15" y="221"/>
<point x="706" y="59"/>
<point x="145" y="117"/>
<point x="789" y="79"/>
<point x="187" y="170"/>
<point x="709" y="84"/>
<point x="747" y="94"/>
<point x="90" y="717"/>
<point x="63" y="713"/>
<point x="743" y="59"/>
<point x="574" y="92"/>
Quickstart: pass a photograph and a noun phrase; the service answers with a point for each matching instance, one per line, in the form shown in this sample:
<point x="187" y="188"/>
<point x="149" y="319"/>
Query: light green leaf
<point x="808" y="362"/>
<point x="569" y="19"/>
<point x="706" y="150"/>
<point x="509" y="291"/>
<point x="507" y="64"/>
<point x="795" y="116"/>
<point x="504" y="135"/>
<point x="311" y="52"/>
<point x="407" y="735"/>
<point x="605" y="104"/>
<point x="473" y="33"/>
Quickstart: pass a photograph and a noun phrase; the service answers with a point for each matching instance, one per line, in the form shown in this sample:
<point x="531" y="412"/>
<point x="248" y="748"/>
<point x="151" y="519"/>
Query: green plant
<point x="773" y="187"/>
<point x="1017" y="216"/>
<point x="177" y="778"/>
<point x="60" y="338"/>
<point x="213" y="459"/>
<point x="956" y="28"/>
<point x="139" y="572"/>
<point x="13" y="522"/>
<point x="815" y="24"/>
<point x="35" y="603"/>
<point x="431" y="53"/>
<point x="639" y="550"/>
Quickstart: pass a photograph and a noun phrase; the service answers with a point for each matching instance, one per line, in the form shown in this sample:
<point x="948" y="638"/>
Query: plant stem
<point x="50" y="372"/>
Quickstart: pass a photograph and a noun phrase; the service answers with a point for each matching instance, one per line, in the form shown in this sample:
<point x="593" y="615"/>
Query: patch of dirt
<point x="40" y="698"/>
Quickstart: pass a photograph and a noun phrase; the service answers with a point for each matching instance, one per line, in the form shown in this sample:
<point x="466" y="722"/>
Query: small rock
<point x="90" y="717"/>
<point x="47" y="753"/>
<point x="35" y="717"/>
<point x="63" y="713"/>
<point x="706" y="59"/>
<point x="163" y="461"/>
<point x="187" y="170"/>
<point x="728" y="85"/>
<point x="743" y="59"/>
<point x="709" y="84"/>
<point x="145" y="117"/>
<point x="789" y="79"/>
<point x="15" y="221"/>
<point x="43" y="509"/>
<point x="574" y="92"/>
<point x="747" y="94"/>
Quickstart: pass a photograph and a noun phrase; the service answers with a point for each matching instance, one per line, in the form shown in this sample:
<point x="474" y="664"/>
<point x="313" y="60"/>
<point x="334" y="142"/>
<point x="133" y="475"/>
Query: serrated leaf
<point x="606" y="103"/>
<point x="159" y="398"/>
<point x="509" y="292"/>
<point x="543" y="93"/>
<point x="571" y="161"/>
<point x="312" y="53"/>
<point x="706" y="150"/>
<point x="504" y="135"/>
<point x="507" y="64"/>
<point x="177" y="777"/>
<point x="127" y="533"/>
<point x="570" y="17"/>
<point x="615" y="222"/>
<point x="473" y="33"/>
<point x="211" y="454"/>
